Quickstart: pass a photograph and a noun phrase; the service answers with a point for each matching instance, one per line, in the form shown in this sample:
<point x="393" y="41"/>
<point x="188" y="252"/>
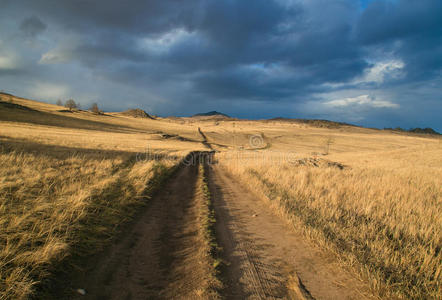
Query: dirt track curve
<point x="162" y="256"/>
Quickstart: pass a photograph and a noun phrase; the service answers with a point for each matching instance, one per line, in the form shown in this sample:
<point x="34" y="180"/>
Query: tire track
<point x="247" y="275"/>
<point x="163" y="255"/>
<point x="205" y="142"/>
<point x="267" y="260"/>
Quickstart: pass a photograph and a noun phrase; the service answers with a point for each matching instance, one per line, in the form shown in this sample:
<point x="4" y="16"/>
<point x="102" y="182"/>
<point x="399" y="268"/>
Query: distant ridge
<point x="314" y="122"/>
<point x="415" y="130"/>
<point x="211" y="114"/>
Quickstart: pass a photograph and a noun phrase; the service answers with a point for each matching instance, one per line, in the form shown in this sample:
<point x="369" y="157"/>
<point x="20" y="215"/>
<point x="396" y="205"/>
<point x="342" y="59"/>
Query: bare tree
<point x="59" y="103"/>
<point x="94" y="108"/>
<point x="71" y="104"/>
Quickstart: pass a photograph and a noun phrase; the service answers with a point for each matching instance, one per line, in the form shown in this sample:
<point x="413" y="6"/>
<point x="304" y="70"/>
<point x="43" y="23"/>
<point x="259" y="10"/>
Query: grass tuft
<point x="208" y="223"/>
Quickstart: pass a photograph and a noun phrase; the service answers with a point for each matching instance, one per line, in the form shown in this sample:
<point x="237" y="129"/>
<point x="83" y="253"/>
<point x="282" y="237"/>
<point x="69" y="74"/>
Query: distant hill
<point x="415" y="130"/>
<point x="136" y="113"/>
<point x="424" y="130"/>
<point x="314" y="122"/>
<point x="211" y="114"/>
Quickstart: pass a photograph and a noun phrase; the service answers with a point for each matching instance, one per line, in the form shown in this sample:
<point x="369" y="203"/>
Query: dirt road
<point x="266" y="259"/>
<point x="162" y="256"/>
<point x="205" y="142"/>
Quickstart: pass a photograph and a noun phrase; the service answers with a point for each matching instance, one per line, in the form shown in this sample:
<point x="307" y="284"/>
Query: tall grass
<point x="382" y="214"/>
<point x="55" y="209"/>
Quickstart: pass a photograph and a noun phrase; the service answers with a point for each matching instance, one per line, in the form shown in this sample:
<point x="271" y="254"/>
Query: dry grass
<point x="208" y="224"/>
<point x="381" y="214"/>
<point x="56" y="208"/>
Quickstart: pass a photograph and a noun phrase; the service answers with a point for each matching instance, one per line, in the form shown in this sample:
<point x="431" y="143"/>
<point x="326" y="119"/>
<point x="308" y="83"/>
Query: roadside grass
<point x="208" y="222"/>
<point x="380" y="216"/>
<point x="56" y="210"/>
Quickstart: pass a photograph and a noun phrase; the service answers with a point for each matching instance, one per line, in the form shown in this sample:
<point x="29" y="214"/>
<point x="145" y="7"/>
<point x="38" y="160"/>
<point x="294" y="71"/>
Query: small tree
<point x="94" y="108"/>
<point x="59" y="103"/>
<point x="71" y="104"/>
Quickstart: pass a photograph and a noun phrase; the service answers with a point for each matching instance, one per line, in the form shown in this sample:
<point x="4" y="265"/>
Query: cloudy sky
<point x="371" y="62"/>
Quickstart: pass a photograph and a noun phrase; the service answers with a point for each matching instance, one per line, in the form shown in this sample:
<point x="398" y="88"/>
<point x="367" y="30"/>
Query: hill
<point x="211" y="114"/>
<point x="136" y="113"/>
<point x="314" y="122"/>
<point x="424" y="130"/>
<point x="415" y="130"/>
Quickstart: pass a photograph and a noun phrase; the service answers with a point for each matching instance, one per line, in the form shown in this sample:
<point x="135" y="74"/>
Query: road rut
<point x="265" y="258"/>
<point x="163" y="255"/>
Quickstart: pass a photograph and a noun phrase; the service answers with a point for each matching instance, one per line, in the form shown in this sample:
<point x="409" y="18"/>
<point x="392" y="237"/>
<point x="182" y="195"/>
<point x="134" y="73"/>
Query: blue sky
<point x="375" y="63"/>
<point x="365" y="3"/>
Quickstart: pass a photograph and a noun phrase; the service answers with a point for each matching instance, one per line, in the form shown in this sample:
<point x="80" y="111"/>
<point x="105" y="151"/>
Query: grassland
<point x="377" y="209"/>
<point x="56" y="208"/>
<point x="69" y="180"/>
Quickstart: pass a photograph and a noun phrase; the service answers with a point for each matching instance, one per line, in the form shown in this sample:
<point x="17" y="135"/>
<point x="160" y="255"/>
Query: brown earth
<point x="265" y="258"/>
<point x="163" y="256"/>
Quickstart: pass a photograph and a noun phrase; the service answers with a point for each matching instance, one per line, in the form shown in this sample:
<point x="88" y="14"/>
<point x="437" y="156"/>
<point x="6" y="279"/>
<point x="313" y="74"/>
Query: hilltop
<point x="136" y="113"/>
<point x="211" y="114"/>
<point x="415" y="130"/>
<point x="314" y="122"/>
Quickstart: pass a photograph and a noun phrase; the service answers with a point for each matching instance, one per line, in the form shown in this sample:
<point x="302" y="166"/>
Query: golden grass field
<point x="374" y="200"/>
<point x="69" y="180"/>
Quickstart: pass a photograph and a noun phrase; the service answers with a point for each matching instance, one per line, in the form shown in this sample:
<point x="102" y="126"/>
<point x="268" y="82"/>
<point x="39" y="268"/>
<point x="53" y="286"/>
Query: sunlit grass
<point x="55" y="208"/>
<point x="380" y="214"/>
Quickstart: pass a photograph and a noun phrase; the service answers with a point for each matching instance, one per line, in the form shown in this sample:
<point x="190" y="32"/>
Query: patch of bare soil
<point x="318" y="162"/>
<point x="265" y="258"/>
<point x="163" y="256"/>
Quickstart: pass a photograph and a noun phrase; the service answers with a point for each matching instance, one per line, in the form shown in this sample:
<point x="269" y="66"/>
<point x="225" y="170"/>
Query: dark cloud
<point x="384" y="21"/>
<point x="412" y="30"/>
<point x="133" y="17"/>
<point x="273" y="55"/>
<point x="32" y="26"/>
<point x="236" y="24"/>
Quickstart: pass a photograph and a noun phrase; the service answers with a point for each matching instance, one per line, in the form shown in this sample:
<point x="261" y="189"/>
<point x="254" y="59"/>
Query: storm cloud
<point x="371" y="62"/>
